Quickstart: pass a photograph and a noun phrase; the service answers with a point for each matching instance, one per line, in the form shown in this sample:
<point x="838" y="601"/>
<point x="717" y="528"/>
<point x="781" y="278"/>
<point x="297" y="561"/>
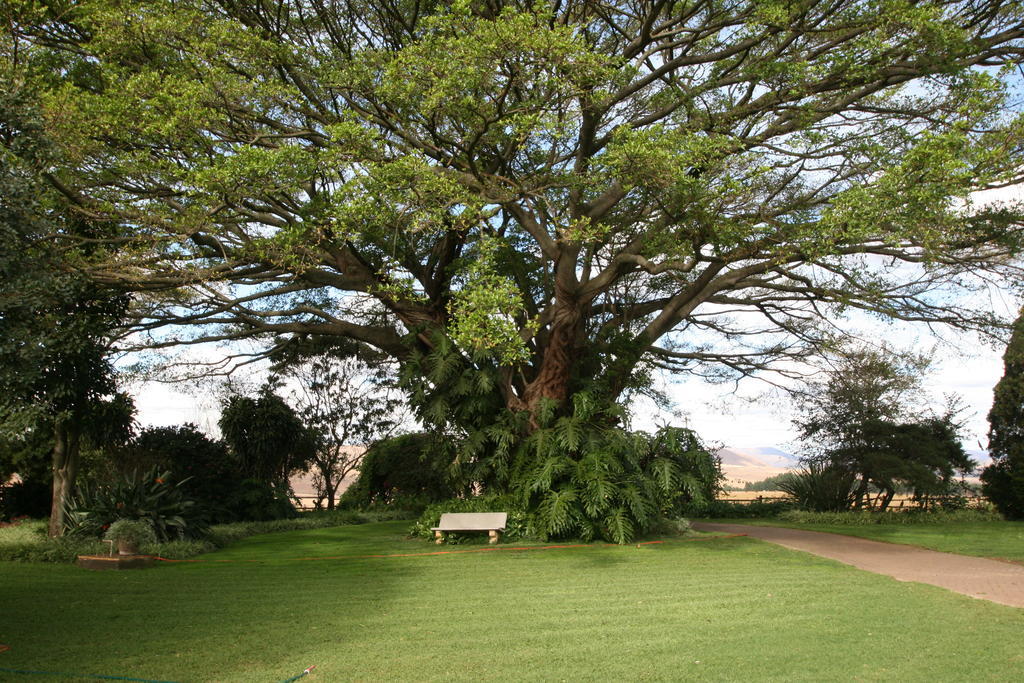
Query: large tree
<point x="57" y="385"/>
<point x="539" y="200"/>
<point x="1003" y="480"/>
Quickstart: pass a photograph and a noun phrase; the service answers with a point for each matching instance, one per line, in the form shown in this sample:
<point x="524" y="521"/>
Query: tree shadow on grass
<point x="236" y="615"/>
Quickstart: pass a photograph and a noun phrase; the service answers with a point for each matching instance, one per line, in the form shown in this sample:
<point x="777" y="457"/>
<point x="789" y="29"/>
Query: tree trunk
<point x="552" y="380"/>
<point x="858" y="495"/>
<point x="65" y="469"/>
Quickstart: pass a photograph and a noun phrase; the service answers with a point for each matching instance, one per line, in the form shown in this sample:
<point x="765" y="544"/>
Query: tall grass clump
<point x="820" y="487"/>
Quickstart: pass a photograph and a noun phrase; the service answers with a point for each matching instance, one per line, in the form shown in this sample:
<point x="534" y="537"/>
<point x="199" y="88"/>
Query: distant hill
<point x="742" y="465"/>
<point x="756" y="463"/>
<point x="758" y="456"/>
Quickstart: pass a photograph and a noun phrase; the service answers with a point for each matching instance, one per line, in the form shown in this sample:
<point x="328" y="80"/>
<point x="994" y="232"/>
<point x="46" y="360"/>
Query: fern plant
<point x="574" y="471"/>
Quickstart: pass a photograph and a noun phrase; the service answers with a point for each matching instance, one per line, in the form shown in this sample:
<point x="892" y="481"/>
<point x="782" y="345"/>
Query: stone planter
<point x="126" y="546"/>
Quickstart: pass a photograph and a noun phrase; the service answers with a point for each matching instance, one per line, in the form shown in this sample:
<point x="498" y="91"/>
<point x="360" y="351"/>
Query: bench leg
<point x="438" y="537"/>
<point x="495" y="536"/>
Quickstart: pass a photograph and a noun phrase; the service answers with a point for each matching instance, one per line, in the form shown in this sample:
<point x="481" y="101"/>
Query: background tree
<point x="527" y="202"/>
<point x="346" y="395"/>
<point x="410" y="471"/>
<point x="201" y="467"/>
<point x="868" y="420"/>
<point x="1003" y="480"/>
<point x="56" y="326"/>
<point x="269" y="441"/>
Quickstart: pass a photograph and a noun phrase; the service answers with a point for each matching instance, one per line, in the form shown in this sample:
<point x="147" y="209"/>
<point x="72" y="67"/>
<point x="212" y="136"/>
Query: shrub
<point x="869" y="517"/>
<point x="27" y="498"/>
<point x="584" y="479"/>
<point x="260" y="501"/>
<point x="517" y="526"/>
<point x="732" y="510"/>
<point x="151" y="497"/>
<point x="412" y="471"/>
<point x="136" y="531"/>
<point x="820" y="487"/>
<point x="1003" y="484"/>
<point x="202" y="466"/>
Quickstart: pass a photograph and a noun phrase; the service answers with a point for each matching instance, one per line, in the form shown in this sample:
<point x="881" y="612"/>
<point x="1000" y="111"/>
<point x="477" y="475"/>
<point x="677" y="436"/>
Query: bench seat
<point x="491" y="522"/>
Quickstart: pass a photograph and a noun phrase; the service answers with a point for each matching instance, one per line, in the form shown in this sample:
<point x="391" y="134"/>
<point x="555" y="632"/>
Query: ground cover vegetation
<point x="1003" y="480"/>
<point x="532" y="207"/>
<point x="27" y="541"/>
<point x="685" y="609"/>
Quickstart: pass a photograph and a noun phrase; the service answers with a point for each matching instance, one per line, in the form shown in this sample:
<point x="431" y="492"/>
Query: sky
<point x="750" y="414"/>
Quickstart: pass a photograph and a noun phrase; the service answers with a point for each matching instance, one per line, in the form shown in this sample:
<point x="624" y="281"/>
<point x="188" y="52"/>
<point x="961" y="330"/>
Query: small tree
<point x="266" y="436"/>
<point x="346" y="395"/>
<point x="867" y="417"/>
<point x="207" y="472"/>
<point x="1003" y="480"/>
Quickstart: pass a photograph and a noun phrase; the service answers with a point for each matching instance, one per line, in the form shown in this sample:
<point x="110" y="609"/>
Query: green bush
<point x="409" y="471"/>
<point x="725" y="509"/>
<point x="202" y="465"/>
<point x="584" y="479"/>
<point x="137" y="531"/>
<point x="260" y="501"/>
<point x="820" y="487"/>
<point x="27" y="498"/>
<point x="517" y="526"/>
<point x="868" y="517"/>
<point x="1003" y="484"/>
<point x="151" y="496"/>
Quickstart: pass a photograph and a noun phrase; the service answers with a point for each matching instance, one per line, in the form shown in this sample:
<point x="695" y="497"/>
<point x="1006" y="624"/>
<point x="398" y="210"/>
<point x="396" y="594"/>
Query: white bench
<point x="491" y="522"/>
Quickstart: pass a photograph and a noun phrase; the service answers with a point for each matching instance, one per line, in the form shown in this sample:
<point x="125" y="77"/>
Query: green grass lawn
<point x="1003" y="540"/>
<point x="719" y="609"/>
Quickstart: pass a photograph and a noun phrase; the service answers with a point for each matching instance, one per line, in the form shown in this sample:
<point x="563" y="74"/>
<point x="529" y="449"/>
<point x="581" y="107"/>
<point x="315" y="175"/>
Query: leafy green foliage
<point x="582" y="478"/>
<point x="724" y="509"/>
<point x="256" y="500"/>
<point x="205" y="470"/>
<point x="866" y="418"/>
<point x="55" y="323"/>
<point x="1003" y="480"/>
<point x="266" y="437"/>
<point x="821" y="487"/>
<point x="767" y="484"/>
<point x="870" y="517"/>
<point x="26" y="498"/>
<point x="134" y="531"/>
<point x="411" y="470"/>
<point x="150" y="496"/>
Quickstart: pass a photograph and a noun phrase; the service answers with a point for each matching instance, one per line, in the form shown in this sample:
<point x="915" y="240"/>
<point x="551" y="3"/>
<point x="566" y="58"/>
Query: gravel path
<point x="978" y="577"/>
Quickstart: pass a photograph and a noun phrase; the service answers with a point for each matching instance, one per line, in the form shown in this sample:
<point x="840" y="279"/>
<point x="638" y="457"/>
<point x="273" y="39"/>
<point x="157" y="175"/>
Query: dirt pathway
<point x="978" y="577"/>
